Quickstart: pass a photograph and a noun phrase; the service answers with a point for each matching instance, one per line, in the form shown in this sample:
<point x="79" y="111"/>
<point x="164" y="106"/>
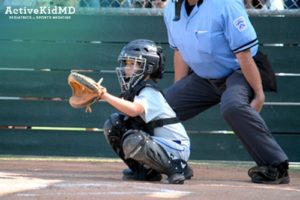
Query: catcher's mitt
<point x="85" y="91"/>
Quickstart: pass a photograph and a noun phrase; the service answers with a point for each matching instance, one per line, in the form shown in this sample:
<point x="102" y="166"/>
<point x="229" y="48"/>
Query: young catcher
<point x="146" y="134"/>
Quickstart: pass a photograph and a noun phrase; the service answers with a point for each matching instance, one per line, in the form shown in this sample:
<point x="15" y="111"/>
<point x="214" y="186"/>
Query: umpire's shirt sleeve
<point x="238" y="29"/>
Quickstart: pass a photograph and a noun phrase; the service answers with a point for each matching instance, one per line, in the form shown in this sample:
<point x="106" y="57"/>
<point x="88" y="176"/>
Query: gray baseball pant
<point x="193" y="95"/>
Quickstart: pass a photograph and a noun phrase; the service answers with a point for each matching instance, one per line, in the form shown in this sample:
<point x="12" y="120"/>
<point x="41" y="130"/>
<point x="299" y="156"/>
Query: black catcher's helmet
<point x="144" y="58"/>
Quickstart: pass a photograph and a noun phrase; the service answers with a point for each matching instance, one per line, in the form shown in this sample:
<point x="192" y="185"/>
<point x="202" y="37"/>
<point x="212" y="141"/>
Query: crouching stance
<point x="146" y="135"/>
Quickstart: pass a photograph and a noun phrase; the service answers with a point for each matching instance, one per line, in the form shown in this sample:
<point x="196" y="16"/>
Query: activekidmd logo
<point x="40" y="13"/>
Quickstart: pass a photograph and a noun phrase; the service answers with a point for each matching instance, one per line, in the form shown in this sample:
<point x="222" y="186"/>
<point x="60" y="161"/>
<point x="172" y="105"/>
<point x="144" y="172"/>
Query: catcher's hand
<point x="85" y="91"/>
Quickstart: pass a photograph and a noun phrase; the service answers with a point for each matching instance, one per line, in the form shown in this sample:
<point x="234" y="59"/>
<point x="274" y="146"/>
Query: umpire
<point x="214" y="44"/>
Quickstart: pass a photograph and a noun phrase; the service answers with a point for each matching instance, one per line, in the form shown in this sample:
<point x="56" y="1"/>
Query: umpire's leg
<point x="191" y="95"/>
<point x="248" y="124"/>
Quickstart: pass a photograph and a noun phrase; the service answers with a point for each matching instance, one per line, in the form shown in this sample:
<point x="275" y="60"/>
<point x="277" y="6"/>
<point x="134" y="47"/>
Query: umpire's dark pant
<point x="193" y="94"/>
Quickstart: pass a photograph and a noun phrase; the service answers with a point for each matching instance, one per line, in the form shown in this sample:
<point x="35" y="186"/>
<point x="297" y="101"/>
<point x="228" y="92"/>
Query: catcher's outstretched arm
<point x="129" y="108"/>
<point x="86" y="92"/>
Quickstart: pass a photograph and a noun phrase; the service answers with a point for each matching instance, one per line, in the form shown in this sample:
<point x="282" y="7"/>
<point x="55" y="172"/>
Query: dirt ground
<point x="85" y="179"/>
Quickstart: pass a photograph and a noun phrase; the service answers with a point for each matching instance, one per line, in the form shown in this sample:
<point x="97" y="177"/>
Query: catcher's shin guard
<point x="114" y="128"/>
<point x="139" y="146"/>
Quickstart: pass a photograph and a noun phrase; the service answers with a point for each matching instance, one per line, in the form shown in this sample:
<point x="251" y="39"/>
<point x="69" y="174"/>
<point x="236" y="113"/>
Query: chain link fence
<point x="250" y="4"/>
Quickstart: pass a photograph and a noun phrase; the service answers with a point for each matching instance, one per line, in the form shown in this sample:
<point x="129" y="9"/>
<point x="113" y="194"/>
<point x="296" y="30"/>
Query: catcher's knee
<point x="114" y="128"/>
<point x="133" y="142"/>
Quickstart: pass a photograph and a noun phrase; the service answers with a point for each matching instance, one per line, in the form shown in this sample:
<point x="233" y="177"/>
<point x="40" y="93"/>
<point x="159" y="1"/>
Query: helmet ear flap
<point x="162" y="58"/>
<point x="161" y="62"/>
<point x="150" y="69"/>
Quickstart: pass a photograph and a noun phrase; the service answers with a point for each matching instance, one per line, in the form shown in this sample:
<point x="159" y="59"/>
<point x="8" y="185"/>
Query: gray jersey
<point x="173" y="137"/>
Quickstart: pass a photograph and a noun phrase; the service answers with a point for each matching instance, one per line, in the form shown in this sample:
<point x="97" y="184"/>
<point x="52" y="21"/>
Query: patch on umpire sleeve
<point x="240" y="23"/>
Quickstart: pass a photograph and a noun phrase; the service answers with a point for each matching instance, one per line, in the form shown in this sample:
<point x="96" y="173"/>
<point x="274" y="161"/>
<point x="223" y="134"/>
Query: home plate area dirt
<point x="102" y="179"/>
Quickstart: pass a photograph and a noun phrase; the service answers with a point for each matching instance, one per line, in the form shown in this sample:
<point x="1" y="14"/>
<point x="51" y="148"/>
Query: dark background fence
<point x="37" y="56"/>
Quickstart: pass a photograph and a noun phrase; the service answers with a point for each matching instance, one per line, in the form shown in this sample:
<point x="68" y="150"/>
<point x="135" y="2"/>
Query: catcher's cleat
<point x="176" y="178"/>
<point x="142" y="175"/>
<point x="176" y="172"/>
<point x="269" y="175"/>
<point x="128" y="174"/>
<point x="188" y="172"/>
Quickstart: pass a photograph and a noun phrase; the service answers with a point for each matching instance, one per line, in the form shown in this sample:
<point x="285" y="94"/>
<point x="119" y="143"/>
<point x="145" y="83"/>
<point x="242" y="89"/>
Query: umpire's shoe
<point x="269" y="174"/>
<point x="142" y="174"/>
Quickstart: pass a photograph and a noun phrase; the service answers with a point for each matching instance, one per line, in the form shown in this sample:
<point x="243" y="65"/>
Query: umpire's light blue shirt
<point x="210" y="36"/>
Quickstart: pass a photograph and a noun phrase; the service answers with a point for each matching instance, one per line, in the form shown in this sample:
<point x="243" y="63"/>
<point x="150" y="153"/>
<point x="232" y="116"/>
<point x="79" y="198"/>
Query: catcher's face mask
<point x="131" y="72"/>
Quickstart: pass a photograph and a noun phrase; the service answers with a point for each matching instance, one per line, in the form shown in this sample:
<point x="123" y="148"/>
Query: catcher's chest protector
<point x="138" y="122"/>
